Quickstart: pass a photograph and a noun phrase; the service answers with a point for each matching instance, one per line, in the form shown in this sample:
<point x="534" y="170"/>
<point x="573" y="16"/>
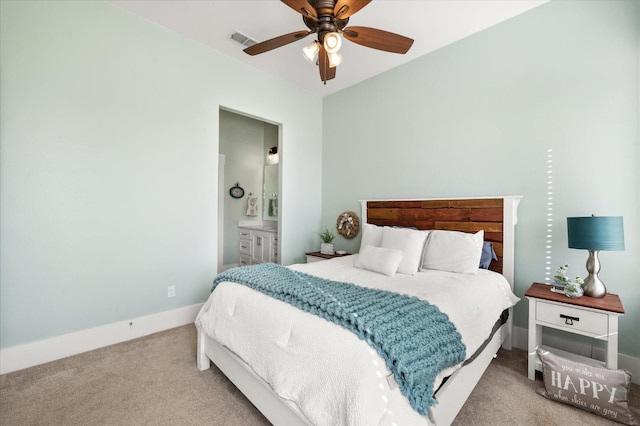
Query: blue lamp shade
<point x="596" y="233"/>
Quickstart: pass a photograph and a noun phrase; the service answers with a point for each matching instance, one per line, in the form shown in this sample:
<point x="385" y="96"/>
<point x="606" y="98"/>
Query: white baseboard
<point x="627" y="362"/>
<point x="29" y="354"/>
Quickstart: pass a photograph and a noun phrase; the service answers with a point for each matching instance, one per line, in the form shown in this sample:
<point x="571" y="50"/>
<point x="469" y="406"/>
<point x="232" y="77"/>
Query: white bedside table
<point x="588" y="316"/>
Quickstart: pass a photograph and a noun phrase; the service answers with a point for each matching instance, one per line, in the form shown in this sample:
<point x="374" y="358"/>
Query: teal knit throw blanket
<point x="415" y="339"/>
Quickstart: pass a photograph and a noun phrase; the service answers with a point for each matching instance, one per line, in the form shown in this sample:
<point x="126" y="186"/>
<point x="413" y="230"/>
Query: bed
<point x="297" y="368"/>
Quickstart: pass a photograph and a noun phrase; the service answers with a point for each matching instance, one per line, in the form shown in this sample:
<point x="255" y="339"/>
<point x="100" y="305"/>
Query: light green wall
<point x="479" y="117"/>
<point x="108" y="167"/>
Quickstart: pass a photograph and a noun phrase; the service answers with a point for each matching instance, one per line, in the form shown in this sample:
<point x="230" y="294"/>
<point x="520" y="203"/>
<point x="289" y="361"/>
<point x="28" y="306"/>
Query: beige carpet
<point x="154" y="381"/>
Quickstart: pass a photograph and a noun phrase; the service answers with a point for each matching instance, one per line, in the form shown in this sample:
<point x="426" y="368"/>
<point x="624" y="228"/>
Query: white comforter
<point x="333" y="377"/>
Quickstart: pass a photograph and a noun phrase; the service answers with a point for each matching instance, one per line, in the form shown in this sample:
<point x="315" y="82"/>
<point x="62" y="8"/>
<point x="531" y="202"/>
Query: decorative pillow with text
<point x="600" y="390"/>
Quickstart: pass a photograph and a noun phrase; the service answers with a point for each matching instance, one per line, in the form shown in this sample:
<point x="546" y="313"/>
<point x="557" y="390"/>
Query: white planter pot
<point x="327" y="248"/>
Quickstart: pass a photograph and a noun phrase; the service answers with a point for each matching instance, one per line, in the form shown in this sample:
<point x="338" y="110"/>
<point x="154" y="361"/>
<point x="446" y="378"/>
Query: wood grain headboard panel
<point x="466" y="215"/>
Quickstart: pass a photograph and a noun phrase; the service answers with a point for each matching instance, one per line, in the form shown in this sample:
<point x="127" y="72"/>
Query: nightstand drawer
<point x="572" y="319"/>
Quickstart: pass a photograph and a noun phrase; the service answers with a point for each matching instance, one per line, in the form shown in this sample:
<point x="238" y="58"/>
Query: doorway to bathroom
<point x="249" y="183"/>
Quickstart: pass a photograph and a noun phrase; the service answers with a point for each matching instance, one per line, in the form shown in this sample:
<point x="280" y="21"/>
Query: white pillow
<point x="453" y="251"/>
<point x="410" y="242"/>
<point x="378" y="259"/>
<point x="371" y="236"/>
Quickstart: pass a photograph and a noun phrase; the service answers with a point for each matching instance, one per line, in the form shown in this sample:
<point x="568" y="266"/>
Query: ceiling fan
<point x="328" y="19"/>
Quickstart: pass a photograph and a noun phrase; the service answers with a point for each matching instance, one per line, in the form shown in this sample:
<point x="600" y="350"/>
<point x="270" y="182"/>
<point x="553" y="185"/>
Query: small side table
<point x="316" y="256"/>
<point x="588" y="316"/>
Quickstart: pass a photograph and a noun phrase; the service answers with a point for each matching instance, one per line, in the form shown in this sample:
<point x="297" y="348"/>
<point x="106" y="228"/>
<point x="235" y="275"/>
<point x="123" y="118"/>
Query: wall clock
<point x="236" y="191"/>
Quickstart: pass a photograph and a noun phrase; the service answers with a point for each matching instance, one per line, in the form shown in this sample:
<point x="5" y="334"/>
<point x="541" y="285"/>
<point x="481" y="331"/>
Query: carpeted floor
<point x="154" y="381"/>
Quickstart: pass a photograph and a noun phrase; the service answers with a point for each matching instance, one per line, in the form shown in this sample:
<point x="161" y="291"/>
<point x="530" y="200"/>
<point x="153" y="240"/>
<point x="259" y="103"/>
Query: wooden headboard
<point x="495" y="215"/>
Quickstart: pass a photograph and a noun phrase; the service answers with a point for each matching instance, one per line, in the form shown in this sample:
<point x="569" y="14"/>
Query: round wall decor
<point x="348" y="224"/>
<point x="236" y="191"/>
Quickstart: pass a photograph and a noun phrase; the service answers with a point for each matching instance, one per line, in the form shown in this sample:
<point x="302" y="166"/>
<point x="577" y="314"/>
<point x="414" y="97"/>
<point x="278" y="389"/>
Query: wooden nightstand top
<point x="325" y="256"/>
<point x="610" y="302"/>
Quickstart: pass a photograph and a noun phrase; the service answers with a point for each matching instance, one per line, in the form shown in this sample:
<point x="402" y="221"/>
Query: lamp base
<point x="592" y="286"/>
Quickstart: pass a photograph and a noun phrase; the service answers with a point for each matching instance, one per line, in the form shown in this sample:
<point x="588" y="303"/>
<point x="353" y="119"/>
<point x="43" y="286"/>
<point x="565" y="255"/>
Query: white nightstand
<point x="588" y="316"/>
<point x="316" y="256"/>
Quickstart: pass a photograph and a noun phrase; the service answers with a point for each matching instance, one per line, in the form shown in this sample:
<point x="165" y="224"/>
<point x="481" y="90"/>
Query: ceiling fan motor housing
<point x="327" y="22"/>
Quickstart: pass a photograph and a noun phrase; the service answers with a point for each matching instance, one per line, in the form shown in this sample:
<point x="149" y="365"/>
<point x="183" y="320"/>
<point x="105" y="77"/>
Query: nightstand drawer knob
<point x="569" y="320"/>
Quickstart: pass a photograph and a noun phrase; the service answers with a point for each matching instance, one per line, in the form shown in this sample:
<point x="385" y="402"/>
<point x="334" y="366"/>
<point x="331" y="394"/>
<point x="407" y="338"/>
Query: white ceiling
<point x="431" y="23"/>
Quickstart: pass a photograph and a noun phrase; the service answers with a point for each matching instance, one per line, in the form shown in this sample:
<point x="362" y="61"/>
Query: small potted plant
<point x="561" y="278"/>
<point x="574" y="289"/>
<point x="562" y="283"/>
<point x="327" y="242"/>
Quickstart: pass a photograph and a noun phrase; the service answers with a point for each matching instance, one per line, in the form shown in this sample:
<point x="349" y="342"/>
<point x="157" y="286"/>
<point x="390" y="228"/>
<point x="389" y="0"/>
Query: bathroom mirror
<point x="270" y="193"/>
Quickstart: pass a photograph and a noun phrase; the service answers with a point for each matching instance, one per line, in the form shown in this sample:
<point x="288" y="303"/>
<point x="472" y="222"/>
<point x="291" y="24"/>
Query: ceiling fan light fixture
<point x="310" y="51"/>
<point x="328" y="21"/>
<point x="332" y="42"/>
<point x="335" y="59"/>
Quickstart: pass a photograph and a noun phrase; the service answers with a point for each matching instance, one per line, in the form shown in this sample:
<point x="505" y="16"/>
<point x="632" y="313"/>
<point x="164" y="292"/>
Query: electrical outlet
<point x="171" y="291"/>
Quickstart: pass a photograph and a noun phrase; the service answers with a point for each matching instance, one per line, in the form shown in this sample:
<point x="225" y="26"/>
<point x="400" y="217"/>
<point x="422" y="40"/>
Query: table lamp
<point x="595" y="233"/>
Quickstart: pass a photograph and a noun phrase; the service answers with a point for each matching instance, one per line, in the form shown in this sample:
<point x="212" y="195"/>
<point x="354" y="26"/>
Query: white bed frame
<point x="451" y="396"/>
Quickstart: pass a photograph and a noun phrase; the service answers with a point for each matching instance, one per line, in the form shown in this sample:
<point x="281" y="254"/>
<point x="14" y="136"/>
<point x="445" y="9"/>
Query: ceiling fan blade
<point x="378" y="39"/>
<point x="326" y="72"/>
<point x="345" y="8"/>
<point x="276" y="42"/>
<point x="302" y="7"/>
